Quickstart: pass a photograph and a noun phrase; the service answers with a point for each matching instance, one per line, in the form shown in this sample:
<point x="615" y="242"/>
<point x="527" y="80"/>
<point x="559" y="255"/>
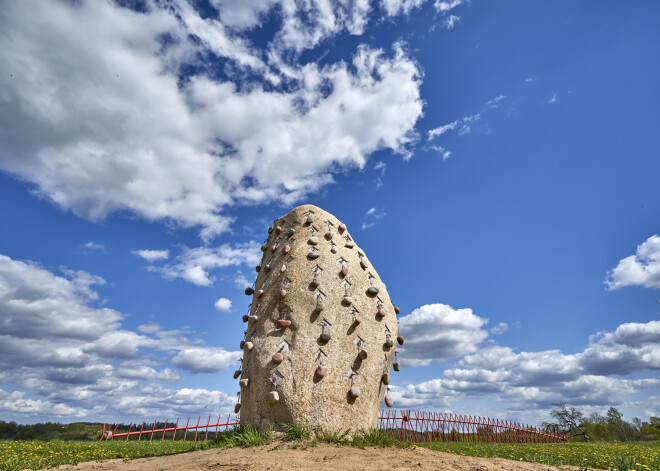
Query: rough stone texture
<point x="356" y="356"/>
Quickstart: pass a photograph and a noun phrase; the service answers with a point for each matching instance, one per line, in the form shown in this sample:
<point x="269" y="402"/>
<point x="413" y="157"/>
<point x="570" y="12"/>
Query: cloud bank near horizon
<point x="71" y="359"/>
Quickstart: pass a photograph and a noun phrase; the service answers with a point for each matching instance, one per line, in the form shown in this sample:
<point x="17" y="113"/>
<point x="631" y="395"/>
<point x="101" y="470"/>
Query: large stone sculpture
<point x="321" y="330"/>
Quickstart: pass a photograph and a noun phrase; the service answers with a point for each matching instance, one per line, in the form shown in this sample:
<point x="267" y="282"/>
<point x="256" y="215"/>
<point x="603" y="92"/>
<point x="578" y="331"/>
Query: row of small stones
<point x="283" y="323"/>
<point x="312" y="241"/>
<point x="371" y="291"/>
<point x="321" y="371"/>
<point x="277" y="357"/>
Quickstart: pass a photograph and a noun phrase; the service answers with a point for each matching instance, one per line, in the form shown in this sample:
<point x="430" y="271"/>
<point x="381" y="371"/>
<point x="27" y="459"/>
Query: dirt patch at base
<point x="281" y="457"/>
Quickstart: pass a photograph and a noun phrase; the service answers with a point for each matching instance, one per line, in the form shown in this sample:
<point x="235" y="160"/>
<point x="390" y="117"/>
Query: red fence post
<point x="164" y="430"/>
<point x="129" y="431"/>
<point x="186" y="432"/>
<point x="470" y="429"/>
<point x="413" y="428"/>
<point x="410" y="427"/>
<point x="429" y="427"/>
<point x="492" y="431"/>
<point x="404" y="423"/>
<point x="390" y="422"/>
<point x="176" y="426"/>
<point x="424" y="437"/>
<point x="196" y="426"/>
<point x="396" y="428"/>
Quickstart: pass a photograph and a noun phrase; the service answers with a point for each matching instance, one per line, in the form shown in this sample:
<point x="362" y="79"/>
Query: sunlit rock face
<point x="321" y="331"/>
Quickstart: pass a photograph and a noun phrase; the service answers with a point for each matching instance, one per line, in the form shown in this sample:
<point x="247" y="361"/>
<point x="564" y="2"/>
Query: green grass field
<point x="16" y="455"/>
<point x="623" y="456"/>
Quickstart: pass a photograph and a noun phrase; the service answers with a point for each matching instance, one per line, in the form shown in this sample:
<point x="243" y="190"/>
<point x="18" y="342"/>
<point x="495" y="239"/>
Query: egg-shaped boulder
<point x="308" y="364"/>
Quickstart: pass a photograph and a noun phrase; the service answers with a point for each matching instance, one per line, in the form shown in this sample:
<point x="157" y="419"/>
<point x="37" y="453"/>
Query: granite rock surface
<point x="321" y="330"/>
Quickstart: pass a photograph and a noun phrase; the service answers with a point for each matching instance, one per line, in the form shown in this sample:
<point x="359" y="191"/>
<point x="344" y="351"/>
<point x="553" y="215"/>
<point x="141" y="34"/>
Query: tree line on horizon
<point x="77" y="431"/>
<point x="83" y="431"/>
<point x="576" y="426"/>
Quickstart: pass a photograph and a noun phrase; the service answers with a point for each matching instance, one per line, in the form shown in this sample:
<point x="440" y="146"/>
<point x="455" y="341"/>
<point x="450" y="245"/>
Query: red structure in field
<point x="403" y="425"/>
<point x="422" y="426"/>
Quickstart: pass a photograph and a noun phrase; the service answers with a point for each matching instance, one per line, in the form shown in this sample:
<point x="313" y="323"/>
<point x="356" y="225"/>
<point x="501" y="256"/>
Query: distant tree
<point x="7" y="430"/>
<point x="617" y="424"/>
<point x="651" y="429"/>
<point x="568" y="421"/>
<point x="596" y="418"/>
<point x="609" y="427"/>
<point x="614" y="416"/>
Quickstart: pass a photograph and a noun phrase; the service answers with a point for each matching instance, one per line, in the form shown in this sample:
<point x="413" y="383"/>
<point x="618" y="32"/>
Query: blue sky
<point x="498" y="162"/>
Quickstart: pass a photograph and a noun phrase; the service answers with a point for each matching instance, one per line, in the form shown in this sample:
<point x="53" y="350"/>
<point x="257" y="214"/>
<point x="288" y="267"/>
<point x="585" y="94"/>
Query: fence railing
<point x="162" y="432"/>
<point x="403" y="425"/>
<point x="444" y="427"/>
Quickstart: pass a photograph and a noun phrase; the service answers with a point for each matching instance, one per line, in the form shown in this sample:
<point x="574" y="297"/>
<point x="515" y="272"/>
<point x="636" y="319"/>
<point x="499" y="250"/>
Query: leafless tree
<point x="567" y="421"/>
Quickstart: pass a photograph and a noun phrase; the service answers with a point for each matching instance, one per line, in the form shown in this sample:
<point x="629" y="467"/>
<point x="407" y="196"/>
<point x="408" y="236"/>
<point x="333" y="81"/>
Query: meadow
<point x="622" y="456"/>
<point x="17" y="455"/>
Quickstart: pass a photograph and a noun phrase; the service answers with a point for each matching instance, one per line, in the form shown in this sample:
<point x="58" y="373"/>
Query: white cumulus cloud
<point x="398" y="7"/>
<point x="641" y="269"/>
<point x="123" y="131"/>
<point x="223" y="305"/>
<point x="64" y="358"/>
<point x="205" y="360"/>
<point x="531" y="380"/>
<point x="439" y="332"/>
<point x="195" y="264"/>
<point x="152" y="255"/>
<point x="446" y="5"/>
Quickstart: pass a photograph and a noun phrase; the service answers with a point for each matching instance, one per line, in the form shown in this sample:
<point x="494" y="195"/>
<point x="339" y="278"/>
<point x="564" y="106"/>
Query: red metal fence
<point x="443" y="427"/>
<point x="160" y="433"/>
<point x="403" y="425"/>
